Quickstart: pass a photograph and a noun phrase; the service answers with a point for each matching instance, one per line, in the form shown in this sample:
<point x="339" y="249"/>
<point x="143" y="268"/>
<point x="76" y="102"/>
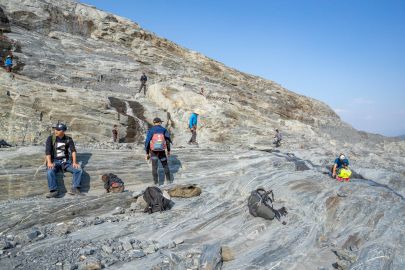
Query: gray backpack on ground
<point x="261" y="205"/>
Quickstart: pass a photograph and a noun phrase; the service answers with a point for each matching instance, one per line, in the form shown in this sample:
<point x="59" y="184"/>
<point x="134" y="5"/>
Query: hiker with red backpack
<point x="156" y="143"/>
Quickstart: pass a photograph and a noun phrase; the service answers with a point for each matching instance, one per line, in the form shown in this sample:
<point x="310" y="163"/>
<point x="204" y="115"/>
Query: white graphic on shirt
<point x="60" y="150"/>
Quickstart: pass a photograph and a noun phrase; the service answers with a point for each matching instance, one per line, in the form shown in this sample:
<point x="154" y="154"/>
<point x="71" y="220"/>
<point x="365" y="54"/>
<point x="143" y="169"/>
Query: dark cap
<point x="61" y="127"/>
<point x="157" y="120"/>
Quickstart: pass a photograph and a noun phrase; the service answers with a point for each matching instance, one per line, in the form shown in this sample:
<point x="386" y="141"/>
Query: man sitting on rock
<point x="339" y="163"/>
<point x="156" y="143"/>
<point x="61" y="155"/>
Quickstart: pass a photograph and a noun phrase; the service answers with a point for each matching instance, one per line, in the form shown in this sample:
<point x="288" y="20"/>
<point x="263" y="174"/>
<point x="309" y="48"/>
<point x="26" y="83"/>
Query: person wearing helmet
<point x="60" y="154"/>
<point x="340" y="162"/>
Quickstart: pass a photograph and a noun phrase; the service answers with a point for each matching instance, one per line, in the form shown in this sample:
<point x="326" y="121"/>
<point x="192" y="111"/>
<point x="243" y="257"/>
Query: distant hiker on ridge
<point x="192" y="124"/>
<point x="59" y="148"/>
<point x="278" y="137"/>
<point x="156" y="142"/>
<point x="144" y="79"/>
<point x="8" y="63"/>
<point x="115" y="133"/>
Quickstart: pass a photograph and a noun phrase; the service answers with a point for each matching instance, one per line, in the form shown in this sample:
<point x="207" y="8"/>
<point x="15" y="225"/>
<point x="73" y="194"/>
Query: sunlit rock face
<point x="81" y="66"/>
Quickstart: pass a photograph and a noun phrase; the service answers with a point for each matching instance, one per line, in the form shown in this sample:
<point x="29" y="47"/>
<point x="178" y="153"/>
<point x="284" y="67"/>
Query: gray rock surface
<point x="80" y="65"/>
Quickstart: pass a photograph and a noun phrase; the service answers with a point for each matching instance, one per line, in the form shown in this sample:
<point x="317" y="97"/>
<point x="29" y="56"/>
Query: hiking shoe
<point x="74" y="191"/>
<point x="52" y="194"/>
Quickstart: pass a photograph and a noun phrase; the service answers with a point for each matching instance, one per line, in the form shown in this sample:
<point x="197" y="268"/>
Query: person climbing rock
<point x="278" y="136"/>
<point x="192" y="125"/>
<point x="115" y="133"/>
<point x="156" y="143"/>
<point x="339" y="163"/>
<point x="8" y="63"/>
<point x="144" y="79"/>
<point x="61" y="155"/>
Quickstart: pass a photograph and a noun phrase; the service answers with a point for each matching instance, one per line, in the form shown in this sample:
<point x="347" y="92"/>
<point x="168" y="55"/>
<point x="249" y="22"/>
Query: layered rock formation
<point x="81" y="66"/>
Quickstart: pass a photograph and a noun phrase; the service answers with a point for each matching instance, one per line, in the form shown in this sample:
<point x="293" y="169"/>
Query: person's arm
<point x="72" y="149"/>
<point x="334" y="170"/>
<point x="147" y="142"/>
<point x="48" y="153"/>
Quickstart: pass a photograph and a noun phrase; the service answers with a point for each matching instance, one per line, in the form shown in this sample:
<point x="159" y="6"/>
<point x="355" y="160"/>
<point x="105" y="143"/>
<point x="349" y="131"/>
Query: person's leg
<point x="51" y="175"/>
<point x="154" y="158"/>
<point x="76" y="175"/>
<point x="165" y="164"/>
<point x="144" y="89"/>
<point x="194" y="136"/>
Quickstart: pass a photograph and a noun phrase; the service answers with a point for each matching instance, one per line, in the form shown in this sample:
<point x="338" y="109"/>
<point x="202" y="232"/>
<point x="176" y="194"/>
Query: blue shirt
<point x="8" y="62"/>
<point x="193" y="120"/>
<point x="157" y="130"/>
<point x="340" y="162"/>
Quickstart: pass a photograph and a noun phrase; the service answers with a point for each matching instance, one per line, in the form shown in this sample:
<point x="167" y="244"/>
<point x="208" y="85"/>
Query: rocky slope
<point x="80" y="65"/>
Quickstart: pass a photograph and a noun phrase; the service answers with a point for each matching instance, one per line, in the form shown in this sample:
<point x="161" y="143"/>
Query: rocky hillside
<point x="82" y="66"/>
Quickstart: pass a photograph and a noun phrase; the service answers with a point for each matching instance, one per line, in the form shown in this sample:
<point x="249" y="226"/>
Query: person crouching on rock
<point x="339" y="163"/>
<point x="112" y="183"/>
<point x="58" y="149"/>
<point x="156" y="143"/>
<point x="8" y="63"/>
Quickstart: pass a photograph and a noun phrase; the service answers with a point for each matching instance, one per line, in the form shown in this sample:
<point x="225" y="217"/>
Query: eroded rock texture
<point x="81" y="66"/>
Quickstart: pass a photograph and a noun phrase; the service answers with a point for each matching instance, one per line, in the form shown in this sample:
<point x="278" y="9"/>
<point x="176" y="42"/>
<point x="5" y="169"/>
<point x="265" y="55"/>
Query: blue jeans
<point x="76" y="174"/>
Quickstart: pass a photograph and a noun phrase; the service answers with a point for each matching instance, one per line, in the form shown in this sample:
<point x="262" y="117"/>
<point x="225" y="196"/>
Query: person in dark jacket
<point x="144" y="79"/>
<point x="156" y="143"/>
<point x="61" y="155"/>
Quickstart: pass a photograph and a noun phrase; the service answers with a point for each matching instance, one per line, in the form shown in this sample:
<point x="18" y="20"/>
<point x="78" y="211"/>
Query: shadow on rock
<point x="84" y="158"/>
<point x="174" y="165"/>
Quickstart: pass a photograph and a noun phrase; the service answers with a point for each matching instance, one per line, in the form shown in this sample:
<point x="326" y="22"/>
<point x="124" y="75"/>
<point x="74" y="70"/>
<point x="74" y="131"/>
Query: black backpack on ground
<point x="261" y="205"/>
<point x="153" y="196"/>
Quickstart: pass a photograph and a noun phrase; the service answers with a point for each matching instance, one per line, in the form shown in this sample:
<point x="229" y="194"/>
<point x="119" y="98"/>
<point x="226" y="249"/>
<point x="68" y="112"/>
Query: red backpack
<point x="158" y="142"/>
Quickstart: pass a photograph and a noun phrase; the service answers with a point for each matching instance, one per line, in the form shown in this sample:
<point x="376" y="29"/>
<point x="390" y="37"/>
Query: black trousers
<point x="155" y="156"/>
<point x="193" y="138"/>
<point x="143" y="85"/>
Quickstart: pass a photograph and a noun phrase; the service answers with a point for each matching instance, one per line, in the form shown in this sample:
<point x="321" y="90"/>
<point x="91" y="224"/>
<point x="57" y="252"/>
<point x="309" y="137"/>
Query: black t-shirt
<point x="60" y="147"/>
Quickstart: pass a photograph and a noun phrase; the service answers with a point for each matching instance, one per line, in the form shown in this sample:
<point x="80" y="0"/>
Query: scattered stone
<point x="184" y="191"/>
<point x="118" y="211"/>
<point x="227" y="254"/>
<point x="33" y="234"/>
<point x="90" y="264"/>
<point x="137" y="254"/>
<point x="126" y="245"/>
<point x="63" y="229"/>
<point x="4" y="244"/>
<point x="150" y="249"/>
<point x="211" y="257"/>
<point x="98" y="221"/>
<point x="107" y="249"/>
<point x="178" y="241"/>
<point x="87" y="251"/>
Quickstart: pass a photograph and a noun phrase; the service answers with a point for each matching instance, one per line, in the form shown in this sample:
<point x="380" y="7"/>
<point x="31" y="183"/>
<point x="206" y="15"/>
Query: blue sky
<point x="348" y="53"/>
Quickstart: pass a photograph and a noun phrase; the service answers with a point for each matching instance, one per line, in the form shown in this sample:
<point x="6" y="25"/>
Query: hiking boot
<point x="74" y="191"/>
<point x="52" y="194"/>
